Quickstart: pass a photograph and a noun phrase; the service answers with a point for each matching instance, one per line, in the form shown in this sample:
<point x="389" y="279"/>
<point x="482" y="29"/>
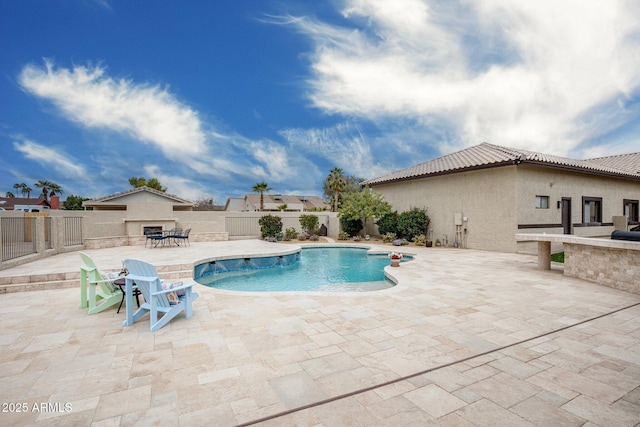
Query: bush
<point x="351" y="226"/>
<point x="270" y="225"/>
<point x="290" y="234"/>
<point x="420" y="240"/>
<point x="412" y="223"/>
<point x="343" y="235"/>
<point x="309" y="224"/>
<point x="314" y="237"/>
<point x="388" y="237"/>
<point x="388" y="223"/>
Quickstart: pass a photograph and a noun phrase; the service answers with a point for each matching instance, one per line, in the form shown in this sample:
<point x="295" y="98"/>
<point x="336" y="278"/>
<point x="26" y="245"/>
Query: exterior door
<point x="566" y="215"/>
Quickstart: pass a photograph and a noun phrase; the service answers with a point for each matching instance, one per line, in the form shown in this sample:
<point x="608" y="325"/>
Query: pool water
<point x="317" y="269"/>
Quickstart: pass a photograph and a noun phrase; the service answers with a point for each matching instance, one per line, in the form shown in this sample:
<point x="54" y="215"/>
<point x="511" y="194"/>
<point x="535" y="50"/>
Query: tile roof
<point x="137" y="190"/>
<point x="293" y="201"/>
<point x="628" y="162"/>
<point x="9" y="202"/>
<point x="487" y="155"/>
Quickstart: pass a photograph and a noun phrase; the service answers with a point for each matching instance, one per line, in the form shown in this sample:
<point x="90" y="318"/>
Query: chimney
<point x="54" y="201"/>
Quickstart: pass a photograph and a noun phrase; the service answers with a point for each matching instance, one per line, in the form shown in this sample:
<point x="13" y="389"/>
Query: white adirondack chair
<point x="97" y="290"/>
<point x="157" y="299"/>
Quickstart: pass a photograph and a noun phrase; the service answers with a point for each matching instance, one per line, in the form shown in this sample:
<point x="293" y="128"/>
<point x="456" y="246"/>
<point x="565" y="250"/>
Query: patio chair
<point x="153" y="237"/>
<point x="166" y="302"/>
<point x="100" y="287"/>
<point x="182" y="236"/>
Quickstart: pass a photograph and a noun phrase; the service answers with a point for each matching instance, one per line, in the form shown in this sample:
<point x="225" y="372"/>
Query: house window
<point x="631" y="210"/>
<point x="591" y="210"/>
<point x="542" y="202"/>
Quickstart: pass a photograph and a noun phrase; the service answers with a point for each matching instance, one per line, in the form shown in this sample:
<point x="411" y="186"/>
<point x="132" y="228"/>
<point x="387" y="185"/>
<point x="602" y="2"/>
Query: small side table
<point x="120" y="282"/>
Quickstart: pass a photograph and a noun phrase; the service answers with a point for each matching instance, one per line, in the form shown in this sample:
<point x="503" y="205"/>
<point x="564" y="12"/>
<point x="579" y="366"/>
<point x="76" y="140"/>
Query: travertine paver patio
<point x="466" y="338"/>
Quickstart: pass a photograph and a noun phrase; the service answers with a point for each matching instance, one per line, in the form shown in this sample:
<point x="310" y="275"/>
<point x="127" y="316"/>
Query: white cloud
<point x="149" y="113"/>
<point x="511" y="72"/>
<point x="56" y="159"/>
<point x="344" y="145"/>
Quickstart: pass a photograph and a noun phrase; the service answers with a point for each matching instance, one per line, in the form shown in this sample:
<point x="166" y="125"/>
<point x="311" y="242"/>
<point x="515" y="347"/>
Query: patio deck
<point x="467" y="338"/>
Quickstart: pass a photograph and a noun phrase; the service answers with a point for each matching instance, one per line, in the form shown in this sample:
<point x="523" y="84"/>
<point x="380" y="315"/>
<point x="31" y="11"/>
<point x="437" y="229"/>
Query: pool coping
<point x="371" y="250"/>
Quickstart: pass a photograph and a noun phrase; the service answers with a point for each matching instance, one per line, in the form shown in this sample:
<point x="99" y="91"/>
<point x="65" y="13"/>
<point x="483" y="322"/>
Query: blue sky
<point x="213" y="97"/>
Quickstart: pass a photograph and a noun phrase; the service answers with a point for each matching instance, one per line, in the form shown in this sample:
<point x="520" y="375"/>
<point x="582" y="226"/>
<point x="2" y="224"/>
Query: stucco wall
<point x="486" y="197"/>
<point x="500" y="202"/>
<point x="557" y="183"/>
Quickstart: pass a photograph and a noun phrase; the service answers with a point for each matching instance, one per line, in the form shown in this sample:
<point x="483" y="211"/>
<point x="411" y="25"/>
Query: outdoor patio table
<point x="121" y="283"/>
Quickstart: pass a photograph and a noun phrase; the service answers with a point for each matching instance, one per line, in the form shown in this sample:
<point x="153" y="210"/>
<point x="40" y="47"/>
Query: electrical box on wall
<point x="457" y="218"/>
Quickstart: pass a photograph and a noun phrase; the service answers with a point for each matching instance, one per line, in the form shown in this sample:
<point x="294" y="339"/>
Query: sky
<point x="212" y="97"/>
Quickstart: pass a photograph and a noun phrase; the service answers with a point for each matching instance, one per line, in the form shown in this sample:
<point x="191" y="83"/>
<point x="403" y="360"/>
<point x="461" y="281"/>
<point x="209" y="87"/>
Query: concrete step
<point x="39" y="282"/>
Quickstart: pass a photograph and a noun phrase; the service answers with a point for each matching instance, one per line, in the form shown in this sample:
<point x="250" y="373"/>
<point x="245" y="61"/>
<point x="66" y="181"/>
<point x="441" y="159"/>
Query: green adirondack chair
<point x="97" y="290"/>
<point x="158" y="301"/>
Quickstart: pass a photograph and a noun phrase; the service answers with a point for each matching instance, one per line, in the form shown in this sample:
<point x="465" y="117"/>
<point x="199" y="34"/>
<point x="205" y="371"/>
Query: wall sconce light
<point x="559" y="204"/>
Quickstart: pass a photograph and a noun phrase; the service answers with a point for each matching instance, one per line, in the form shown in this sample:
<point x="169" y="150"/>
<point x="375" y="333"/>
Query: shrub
<point x="420" y="240"/>
<point x="270" y="225"/>
<point x="388" y="223"/>
<point x="412" y="223"/>
<point x="290" y="234"/>
<point x="388" y="237"/>
<point x="343" y="235"/>
<point x="351" y="226"/>
<point x="314" y="237"/>
<point x="309" y="224"/>
<point x="357" y="238"/>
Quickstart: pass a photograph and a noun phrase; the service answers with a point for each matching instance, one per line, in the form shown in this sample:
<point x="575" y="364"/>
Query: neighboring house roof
<point x="293" y="202"/>
<point x="114" y="197"/>
<point x="8" y="203"/>
<point x="234" y="204"/>
<point x="487" y="155"/>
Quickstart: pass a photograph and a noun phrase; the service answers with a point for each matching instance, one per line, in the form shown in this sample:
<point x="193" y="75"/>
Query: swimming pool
<point x="312" y="269"/>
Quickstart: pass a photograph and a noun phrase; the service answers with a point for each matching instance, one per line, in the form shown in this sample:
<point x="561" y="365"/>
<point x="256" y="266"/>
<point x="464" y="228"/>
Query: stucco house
<point x="480" y="197"/>
<point x="18" y="203"/>
<point x="272" y="202"/>
<point x="145" y="209"/>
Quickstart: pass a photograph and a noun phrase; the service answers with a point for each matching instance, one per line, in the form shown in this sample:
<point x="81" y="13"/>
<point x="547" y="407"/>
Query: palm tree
<point x="20" y="187"/>
<point x="24" y="189"/>
<point x="9" y="194"/>
<point x="261" y="188"/>
<point x="336" y="182"/>
<point x="45" y="185"/>
<point x="54" y="189"/>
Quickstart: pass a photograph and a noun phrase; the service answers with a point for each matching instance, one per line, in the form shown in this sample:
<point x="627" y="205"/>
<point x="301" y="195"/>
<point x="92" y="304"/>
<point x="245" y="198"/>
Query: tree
<point x="336" y="182"/>
<point x="23" y="188"/>
<point x="74" y="203"/>
<point x="137" y="182"/>
<point x="365" y="205"/>
<point x="204" y="203"/>
<point x="45" y="188"/>
<point x="261" y="188"/>
<point x="352" y="185"/>
<point x="9" y="194"/>
<point x="54" y="189"/>
<point x="27" y="190"/>
<point x="142" y="182"/>
<point x="48" y="188"/>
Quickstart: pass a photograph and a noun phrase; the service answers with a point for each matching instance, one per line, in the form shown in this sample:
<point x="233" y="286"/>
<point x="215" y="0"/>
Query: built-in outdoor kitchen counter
<point x="613" y="263"/>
